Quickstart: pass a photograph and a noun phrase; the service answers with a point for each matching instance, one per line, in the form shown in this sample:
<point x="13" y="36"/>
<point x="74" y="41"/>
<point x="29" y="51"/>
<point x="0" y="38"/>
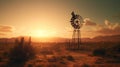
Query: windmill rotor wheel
<point x="77" y="22"/>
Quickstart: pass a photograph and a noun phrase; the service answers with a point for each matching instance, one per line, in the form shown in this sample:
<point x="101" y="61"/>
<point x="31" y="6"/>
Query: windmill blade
<point x="81" y="18"/>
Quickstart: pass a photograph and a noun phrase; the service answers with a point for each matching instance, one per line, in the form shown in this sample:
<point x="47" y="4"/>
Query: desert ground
<point x="58" y="54"/>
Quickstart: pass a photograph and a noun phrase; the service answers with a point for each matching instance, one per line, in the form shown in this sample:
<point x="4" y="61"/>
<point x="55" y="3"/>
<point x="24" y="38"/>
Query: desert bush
<point x="116" y="48"/>
<point x="70" y="58"/>
<point x="99" y="52"/>
<point x="22" y="51"/>
<point x="53" y="59"/>
<point x="85" y="65"/>
<point x="30" y="65"/>
<point x="62" y="62"/>
<point x="5" y="54"/>
<point x="100" y="61"/>
<point x="114" y="51"/>
<point x="0" y="59"/>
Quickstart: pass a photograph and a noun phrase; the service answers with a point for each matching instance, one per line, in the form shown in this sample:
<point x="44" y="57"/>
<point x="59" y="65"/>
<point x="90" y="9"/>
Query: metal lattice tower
<point x="76" y="22"/>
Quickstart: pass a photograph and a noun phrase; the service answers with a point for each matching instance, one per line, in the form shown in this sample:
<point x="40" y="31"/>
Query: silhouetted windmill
<point x="76" y="22"/>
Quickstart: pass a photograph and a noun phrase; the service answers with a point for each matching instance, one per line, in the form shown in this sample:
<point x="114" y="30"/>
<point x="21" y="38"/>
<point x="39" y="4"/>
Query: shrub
<point x="1" y="59"/>
<point x="70" y="58"/>
<point x="116" y="48"/>
<point x="30" y="65"/>
<point x="85" y="65"/>
<point x="53" y="59"/>
<point x="21" y="52"/>
<point x="99" y="52"/>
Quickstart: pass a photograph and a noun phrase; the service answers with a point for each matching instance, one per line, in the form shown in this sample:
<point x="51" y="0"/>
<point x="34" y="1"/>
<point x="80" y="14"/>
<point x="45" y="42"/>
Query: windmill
<point x="77" y="23"/>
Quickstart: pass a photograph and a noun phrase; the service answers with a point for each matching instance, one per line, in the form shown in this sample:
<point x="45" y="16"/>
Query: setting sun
<point x="42" y="33"/>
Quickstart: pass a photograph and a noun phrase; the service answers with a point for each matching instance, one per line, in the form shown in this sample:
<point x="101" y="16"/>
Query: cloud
<point x="110" y="25"/>
<point x="88" y="22"/>
<point x="4" y="28"/>
<point x="108" y="28"/>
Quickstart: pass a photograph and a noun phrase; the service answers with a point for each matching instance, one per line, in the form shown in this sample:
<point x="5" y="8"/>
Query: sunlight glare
<point x="43" y="33"/>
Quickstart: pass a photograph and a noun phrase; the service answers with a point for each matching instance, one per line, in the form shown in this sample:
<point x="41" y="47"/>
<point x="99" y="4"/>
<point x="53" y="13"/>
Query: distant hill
<point x="112" y="38"/>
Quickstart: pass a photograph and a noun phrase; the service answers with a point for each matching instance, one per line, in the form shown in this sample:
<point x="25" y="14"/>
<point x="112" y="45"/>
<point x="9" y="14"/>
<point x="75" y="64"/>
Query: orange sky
<point x="48" y="19"/>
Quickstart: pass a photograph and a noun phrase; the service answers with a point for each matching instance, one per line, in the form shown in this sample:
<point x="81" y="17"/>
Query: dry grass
<point x="57" y="56"/>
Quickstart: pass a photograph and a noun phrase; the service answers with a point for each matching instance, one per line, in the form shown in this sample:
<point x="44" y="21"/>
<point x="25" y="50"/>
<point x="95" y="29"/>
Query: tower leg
<point x="76" y="39"/>
<point x="78" y="34"/>
<point x="73" y="36"/>
<point x="73" y="40"/>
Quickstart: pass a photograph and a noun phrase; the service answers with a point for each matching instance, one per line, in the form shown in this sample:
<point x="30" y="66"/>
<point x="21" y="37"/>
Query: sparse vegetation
<point x="99" y="52"/>
<point x="22" y="51"/>
<point x="70" y="58"/>
<point x="55" y="54"/>
<point x="85" y="65"/>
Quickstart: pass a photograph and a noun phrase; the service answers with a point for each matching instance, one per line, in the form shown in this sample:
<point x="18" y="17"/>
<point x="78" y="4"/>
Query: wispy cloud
<point x="88" y="22"/>
<point x="5" y="29"/>
<point x="108" y="28"/>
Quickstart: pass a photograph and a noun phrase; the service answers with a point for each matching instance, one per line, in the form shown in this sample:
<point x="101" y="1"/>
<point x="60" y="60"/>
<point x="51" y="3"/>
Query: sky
<point x="51" y="18"/>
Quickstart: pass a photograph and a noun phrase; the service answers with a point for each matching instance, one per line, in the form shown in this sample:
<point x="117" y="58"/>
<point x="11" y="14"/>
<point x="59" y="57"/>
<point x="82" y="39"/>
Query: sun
<point x="42" y="33"/>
